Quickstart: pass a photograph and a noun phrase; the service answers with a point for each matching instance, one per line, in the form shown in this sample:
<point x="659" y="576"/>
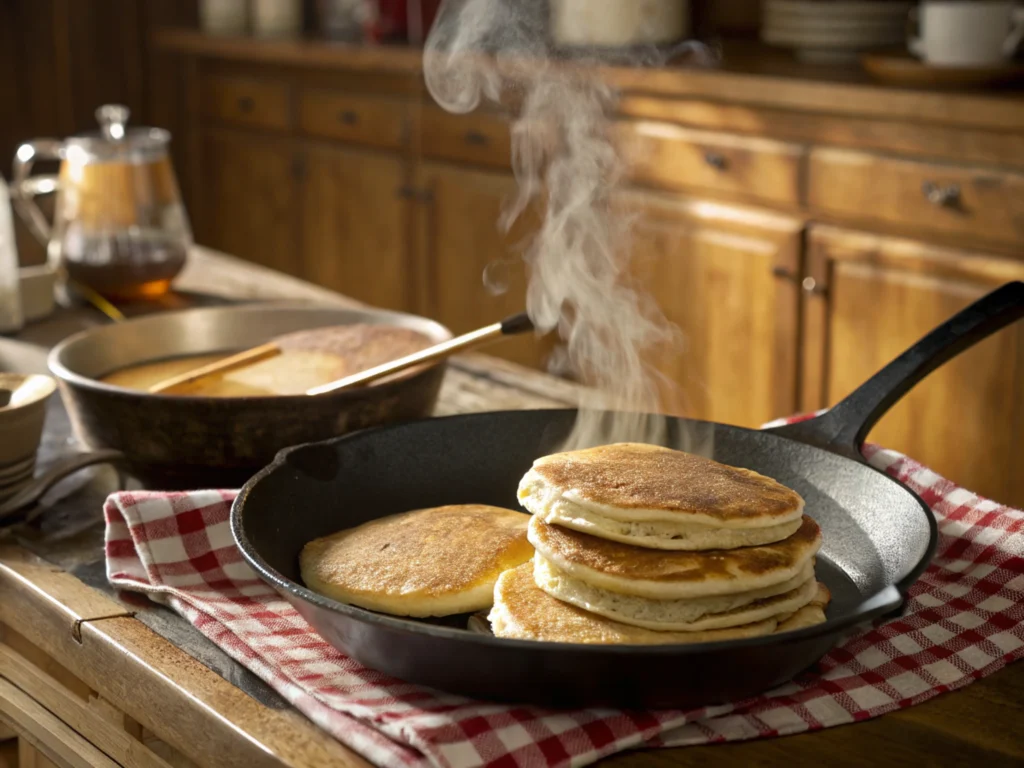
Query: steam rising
<point x="567" y="166"/>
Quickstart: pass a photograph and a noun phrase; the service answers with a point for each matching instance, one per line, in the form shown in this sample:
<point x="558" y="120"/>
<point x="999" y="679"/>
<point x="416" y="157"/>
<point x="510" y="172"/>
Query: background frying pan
<point x="878" y="538"/>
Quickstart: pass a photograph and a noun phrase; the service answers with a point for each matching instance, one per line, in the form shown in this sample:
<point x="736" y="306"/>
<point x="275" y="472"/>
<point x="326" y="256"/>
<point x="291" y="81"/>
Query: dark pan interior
<point x="876" y="534"/>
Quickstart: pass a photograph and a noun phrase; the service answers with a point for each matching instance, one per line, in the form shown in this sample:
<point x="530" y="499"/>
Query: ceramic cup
<point x="277" y="18"/>
<point x="955" y="33"/>
<point x="23" y="401"/>
<point x="224" y="17"/>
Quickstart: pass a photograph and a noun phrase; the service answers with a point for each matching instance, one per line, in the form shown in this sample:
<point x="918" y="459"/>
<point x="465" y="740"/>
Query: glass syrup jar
<point x="119" y="226"/>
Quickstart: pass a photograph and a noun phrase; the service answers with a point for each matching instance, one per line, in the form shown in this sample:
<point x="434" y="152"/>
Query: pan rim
<point x="870" y="608"/>
<point x="65" y="375"/>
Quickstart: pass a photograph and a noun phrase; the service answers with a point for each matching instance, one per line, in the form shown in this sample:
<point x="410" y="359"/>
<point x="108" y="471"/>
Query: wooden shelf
<point x="749" y="73"/>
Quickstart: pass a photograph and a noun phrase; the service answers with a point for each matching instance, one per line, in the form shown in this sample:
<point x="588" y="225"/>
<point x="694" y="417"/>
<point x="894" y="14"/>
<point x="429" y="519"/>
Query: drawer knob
<point x="348" y="117"/>
<point x="476" y="139"/>
<point x="246" y="104"/>
<point x="944" y="196"/>
<point x="716" y="160"/>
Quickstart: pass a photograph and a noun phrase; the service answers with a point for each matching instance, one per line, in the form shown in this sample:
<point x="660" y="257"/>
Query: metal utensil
<point x="510" y="326"/>
<point x="475" y="339"/>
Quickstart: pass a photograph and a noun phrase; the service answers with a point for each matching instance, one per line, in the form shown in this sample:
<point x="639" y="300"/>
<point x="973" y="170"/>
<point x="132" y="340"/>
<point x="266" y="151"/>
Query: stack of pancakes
<point x="641" y="544"/>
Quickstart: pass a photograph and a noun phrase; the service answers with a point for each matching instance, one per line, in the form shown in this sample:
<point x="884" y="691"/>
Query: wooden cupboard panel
<point x="986" y="204"/>
<point x="355" y="226"/>
<point x="248" y="101"/>
<point x="673" y="157"/>
<point x="248" y="201"/>
<point x="458" y="237"/>
<point x="723" y="275"/>
<point x="481" y="138"/>
<point x="370" y="120"/>
<point x="966" y="420"/>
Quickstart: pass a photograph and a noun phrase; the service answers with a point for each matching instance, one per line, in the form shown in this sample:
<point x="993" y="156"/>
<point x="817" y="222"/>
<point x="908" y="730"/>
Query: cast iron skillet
<point x="878" y="538"/>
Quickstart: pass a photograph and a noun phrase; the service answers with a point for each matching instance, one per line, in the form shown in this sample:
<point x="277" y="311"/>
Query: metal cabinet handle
<point x="349" y="117"/>
<point x="944" y="196"/>
<point x="246" y="104"/>
<point x="808" y="284"/>
<point x="476" y="139"/>
<point x="811" y="287"/>
<point x="716" y="160"/>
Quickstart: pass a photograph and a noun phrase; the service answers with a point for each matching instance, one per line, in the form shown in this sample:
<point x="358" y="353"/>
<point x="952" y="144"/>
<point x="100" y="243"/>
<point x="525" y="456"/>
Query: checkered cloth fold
<point x="965" y="620"/>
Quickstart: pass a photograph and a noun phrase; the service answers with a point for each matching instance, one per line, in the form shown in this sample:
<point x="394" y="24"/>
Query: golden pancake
<point x="430" y="562"/>
<point x="524" y="611"/>
<point x="657" y="534"/>
<point x="308" y="359"/>
<point x="811" y="614"/>
<point x="688" y="615"/>
<point x="634" y="482"/>
<point x="359" y="346"/>
<point x="674" y="575"/>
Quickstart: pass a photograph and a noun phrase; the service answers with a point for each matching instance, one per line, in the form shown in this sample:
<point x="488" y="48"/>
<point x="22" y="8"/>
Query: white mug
<point x="956" y="33"/>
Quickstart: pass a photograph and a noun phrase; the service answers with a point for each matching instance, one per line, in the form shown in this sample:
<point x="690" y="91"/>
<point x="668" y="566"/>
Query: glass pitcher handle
<point x="25" y="189"/>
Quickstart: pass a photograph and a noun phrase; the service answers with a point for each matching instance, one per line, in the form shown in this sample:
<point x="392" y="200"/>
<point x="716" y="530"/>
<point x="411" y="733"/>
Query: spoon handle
<point x="248" y="357"/>
<point x="508" y="327"/>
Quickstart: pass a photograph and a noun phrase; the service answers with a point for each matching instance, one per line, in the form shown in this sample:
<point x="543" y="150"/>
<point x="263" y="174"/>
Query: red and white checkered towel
<point x="965" y="620"/>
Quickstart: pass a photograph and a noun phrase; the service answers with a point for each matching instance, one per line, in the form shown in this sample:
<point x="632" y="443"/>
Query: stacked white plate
<point x="16" y="475"/>
<point x="833" y="31"/>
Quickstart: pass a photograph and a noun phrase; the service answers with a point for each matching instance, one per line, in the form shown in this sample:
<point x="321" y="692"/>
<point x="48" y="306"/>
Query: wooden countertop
<point x="216" y="724"/>
<point x="749" y="74"/>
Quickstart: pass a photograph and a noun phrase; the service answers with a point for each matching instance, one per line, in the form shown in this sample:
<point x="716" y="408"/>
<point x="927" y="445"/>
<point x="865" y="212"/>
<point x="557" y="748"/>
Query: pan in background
<point x="191" y="442"/>
<point x="878" y="538"/>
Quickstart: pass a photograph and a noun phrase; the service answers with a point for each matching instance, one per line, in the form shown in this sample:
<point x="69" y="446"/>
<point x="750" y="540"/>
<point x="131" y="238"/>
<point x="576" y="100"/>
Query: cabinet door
<point x="458" y="237"/>
<point x="726" y="277"/>
<point x="874" y="297"/>
<point x="247" y="205"/>
<point x="356" y="226"/>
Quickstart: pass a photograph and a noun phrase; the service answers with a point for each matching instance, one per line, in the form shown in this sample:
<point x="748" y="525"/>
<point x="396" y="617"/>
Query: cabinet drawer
<point x="372" y="120"/>
<point x="247" y="101"/>
<point x="982" y="203"/>
<point x="480" y="138"/>
<point x="670" y="156"/>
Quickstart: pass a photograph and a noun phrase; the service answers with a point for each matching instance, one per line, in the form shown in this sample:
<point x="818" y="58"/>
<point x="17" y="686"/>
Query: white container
<point x="224" y="17"/>
<point x="277" y="18"/>
<point x="618" y="23"/>
<point x="963" y="34"/>
<point x="10" y="280"/>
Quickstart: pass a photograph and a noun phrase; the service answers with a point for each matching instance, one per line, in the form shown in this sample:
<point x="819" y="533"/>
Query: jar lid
<point x="116" y="141"/>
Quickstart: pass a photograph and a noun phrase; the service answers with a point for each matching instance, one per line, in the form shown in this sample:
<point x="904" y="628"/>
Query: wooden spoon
<point x="510" y="326"/>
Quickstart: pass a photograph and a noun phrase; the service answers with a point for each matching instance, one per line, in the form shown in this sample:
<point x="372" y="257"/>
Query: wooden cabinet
<point x="980" y="203"/>
<point x="248" y="199"/>
<point x="338" y="166"/>
<point x="874" y="297"/>
<point x="725" y="276"/>
<point x="355" y="226"/>
<point x="751" y="168"/>
<point x="458" y="237"/>
<point x="247" y="101"/>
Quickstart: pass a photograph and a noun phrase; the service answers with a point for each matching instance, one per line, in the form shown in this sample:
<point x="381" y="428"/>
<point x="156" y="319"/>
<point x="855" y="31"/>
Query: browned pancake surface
<point x="359" y="346"/>
<point x="629" y="562"/>
<point x="637" y="476"/>
<point x="530" y="613"/>
<point x="427" y="553"/>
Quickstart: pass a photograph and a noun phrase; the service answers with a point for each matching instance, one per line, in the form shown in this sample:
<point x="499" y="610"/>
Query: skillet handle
<point x="843" y="428"/>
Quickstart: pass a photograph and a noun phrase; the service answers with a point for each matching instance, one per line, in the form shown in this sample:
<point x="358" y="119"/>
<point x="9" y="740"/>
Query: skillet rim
<point x="437" y="333"/>
<point x="869" y="609"/>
